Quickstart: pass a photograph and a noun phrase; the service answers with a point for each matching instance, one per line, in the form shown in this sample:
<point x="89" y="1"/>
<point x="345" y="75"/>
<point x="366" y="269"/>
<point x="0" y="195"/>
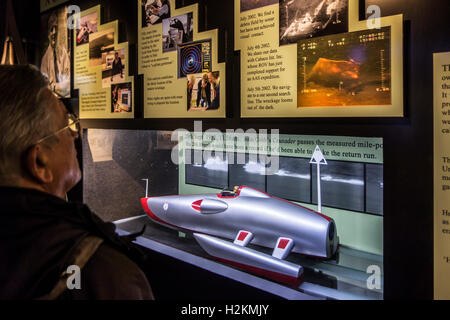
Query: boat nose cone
<point x="144" y="203"/>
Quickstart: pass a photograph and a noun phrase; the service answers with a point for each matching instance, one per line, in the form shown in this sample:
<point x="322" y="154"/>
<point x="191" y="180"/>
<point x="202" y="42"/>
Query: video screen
<point x="211" y="173"/>
<point x="292" y="181"/>
<point x="374" y="188"/>
<point x="342" y="185"/>
<point x="251" y="174"/>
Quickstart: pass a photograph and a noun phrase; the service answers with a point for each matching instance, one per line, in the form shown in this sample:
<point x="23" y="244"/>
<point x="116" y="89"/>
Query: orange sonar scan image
<point x="349" y="69"/>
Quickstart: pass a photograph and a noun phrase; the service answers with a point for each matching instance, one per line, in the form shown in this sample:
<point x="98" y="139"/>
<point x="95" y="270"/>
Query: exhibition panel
<point x="282" y="147"/>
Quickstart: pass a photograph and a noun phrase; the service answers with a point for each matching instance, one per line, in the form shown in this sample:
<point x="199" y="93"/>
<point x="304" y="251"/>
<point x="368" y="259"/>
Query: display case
<point x="124" y="169"/>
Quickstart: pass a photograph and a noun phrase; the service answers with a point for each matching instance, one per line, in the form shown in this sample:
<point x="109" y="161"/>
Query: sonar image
<point x="351" y="69"/>
<point x="194" y="57"/>
<point x="255" y="4"/>
<point x="301" y="19"/>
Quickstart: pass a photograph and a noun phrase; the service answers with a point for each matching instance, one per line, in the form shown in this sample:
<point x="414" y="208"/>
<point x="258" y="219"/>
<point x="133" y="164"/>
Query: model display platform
<point x="341" y="279"/>
<point x="296" y="232"/>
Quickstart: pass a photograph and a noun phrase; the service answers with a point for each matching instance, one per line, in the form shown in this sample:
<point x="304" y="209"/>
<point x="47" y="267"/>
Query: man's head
<point x="53" y="30"/>
<point x="191" y="81"/>
<point x="30" y="112"/>
<point x="212" y="77"/>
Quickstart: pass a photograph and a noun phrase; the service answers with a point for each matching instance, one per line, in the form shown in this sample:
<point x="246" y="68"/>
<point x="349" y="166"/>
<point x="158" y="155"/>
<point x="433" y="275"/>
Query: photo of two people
<point x="203" y="91"/>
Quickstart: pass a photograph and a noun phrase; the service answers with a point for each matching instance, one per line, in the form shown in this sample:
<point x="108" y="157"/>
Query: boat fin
<point x="283" y="248"/>
<point x="243" y="238"/>
<point x="251" y="260"/>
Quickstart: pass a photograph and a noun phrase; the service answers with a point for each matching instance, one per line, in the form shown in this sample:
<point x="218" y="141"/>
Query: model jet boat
<point x="249" y="216"/>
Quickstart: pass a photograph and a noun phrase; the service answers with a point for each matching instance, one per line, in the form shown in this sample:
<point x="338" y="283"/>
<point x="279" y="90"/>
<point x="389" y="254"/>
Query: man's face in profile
<point x="64" y="162"/>
<point x="53" y="36"/>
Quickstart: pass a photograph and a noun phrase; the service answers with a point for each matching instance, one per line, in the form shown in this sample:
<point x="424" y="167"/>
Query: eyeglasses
<point x="73" y="124"/>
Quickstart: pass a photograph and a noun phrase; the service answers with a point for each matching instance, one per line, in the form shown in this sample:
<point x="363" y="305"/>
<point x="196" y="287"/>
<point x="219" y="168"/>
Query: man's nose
<point x="76" y="134"/>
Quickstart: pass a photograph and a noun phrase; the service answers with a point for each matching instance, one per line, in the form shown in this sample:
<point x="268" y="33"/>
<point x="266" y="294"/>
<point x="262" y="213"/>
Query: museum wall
<point x="408" y="140"/>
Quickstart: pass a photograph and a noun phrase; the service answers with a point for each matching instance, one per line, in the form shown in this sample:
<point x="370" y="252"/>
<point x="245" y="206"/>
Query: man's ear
<point x="37" y="164"/>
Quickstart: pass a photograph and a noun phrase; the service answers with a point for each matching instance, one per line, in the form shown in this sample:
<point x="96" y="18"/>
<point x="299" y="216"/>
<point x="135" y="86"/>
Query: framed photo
<point x="345" y="70"/>
<point x="55" y="51"/>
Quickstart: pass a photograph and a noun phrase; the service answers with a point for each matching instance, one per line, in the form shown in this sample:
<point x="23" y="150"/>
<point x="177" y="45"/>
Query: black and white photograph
<point x="301" y="19"/>
<point x="122" y="97"/>
<point x="55" y="51"/>
<point x="176" y="31"/>
<point x="154" y="11"/>
<point x="113" y="67"/>
<point x="255" y="4"/>
<point x="100" y="43"/>
<point x="86" y="26"/>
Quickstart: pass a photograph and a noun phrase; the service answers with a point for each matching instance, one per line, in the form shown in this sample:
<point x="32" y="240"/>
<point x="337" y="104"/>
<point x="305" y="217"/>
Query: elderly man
<point x="213" y="78"/>
<point x="50" y="248"/>
<point x="55" y="64"/>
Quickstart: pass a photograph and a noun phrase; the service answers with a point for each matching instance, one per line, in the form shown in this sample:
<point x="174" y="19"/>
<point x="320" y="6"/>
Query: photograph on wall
<point x="86" y="26"/>
<point x="113" y="67"/>
<point x="351" y="69"/>
<point x="255" y="4"/>
<point x="101" y="69"/>
<point x="55" y="51"/>
<point x="122" y="98"/>
<point x="203" y="91"/>
<point x="194" y="57"/>
<point x="154" y="11"/>
<point x="176" y="31"/>
<point x="200" y="92"/>
<point x="301" y="19"/>
<point x="173" y="57"/>
<point x="99" y="43"/>
<point x="214" y="80"/>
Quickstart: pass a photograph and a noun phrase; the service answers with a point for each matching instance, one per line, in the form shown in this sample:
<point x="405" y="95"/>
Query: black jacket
<point x="208" y="93"/>
<point x="37" y="235"/>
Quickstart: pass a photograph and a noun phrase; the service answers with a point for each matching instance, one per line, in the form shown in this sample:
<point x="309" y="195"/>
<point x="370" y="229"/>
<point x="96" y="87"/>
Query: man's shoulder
<point x="110" y="274"/>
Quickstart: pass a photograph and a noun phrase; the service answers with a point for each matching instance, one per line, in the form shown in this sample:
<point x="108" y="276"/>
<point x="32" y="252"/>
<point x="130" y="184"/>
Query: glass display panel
<point x="115" y="164"/>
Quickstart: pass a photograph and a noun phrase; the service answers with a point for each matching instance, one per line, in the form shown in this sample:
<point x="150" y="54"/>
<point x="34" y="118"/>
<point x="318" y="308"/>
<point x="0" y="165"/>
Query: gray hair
<point x="24" y="114"/>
